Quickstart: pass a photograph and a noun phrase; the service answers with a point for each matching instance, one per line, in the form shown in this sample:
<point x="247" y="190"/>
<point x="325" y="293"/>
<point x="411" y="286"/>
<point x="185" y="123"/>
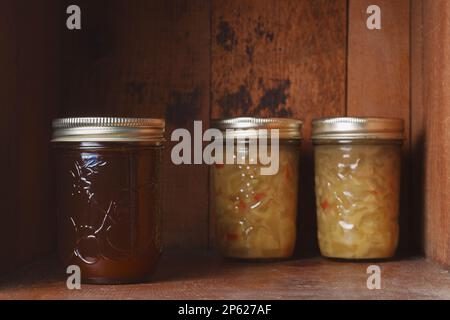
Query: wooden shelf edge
<point x="205" y="276"/>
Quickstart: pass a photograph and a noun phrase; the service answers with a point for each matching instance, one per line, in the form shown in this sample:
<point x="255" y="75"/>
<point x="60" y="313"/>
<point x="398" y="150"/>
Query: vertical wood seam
<point x="347" y="37"/>
<point x="209" y="243"/>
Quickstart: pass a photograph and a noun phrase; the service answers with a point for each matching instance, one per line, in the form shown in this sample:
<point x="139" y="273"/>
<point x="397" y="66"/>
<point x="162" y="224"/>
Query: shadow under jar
<point x="357" y="178"/>
<point x="256" y="211"/>
<point x="109" y="196"/>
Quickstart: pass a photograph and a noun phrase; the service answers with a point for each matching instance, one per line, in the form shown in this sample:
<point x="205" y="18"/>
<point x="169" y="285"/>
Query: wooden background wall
<point x="191" y="60"/>
<point x="379" y="82"/>
<point x="431" y="125"/>
<point x="29" y="98"/>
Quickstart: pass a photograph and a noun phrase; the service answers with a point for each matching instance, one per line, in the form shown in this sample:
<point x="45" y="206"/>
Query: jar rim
<point x="357" y="128"/>
<point x="289" y="128"/>
<point x="108" y="129"/>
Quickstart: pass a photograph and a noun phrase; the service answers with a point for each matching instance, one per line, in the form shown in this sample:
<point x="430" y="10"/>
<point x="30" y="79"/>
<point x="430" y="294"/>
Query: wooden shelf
<point x="206" y="276"/>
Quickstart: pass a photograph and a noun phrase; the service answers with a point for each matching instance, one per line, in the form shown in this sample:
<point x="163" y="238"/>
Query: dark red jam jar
<point x="109" y="196"/>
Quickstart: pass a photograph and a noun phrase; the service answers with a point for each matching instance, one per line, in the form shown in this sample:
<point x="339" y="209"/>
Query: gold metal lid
<point x="288" y="128"/>
<point x="361" y="128"/>
<point x="98" y="129"/>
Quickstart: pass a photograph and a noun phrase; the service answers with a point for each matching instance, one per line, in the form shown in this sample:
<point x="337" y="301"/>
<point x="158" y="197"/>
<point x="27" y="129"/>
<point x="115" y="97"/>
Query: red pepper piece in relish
<point x="259" y="196"/>
<point x="242" y="205"/>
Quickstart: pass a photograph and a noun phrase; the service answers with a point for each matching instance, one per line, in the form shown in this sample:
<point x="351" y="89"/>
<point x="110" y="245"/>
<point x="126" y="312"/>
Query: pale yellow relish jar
<point x="256" y="214"/>
<point x="357" y="186"/>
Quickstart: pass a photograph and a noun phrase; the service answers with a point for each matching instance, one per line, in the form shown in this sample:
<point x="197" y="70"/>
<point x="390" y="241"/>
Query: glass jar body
<point x="357" y="187"/>
<point x="109" y="209"/>
<point x="256" y="214"/>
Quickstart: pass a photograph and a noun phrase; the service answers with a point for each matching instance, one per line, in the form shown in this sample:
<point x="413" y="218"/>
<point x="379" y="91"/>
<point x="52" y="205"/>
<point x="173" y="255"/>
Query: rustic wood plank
<point x="436" y="133"/>
<point x="205" y="276"/>
<point x="29" y="97"/>
<point x="8" y="98"/>
<point x="417" y="172"/>
<point x="281" y="58"/>
<point x="147" y="59"/>
<point x="379" y="81"/>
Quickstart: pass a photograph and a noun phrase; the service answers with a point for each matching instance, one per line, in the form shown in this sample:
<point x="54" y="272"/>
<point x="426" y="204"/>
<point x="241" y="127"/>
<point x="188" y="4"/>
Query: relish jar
<point x="256" y="212"/>
<point x="109" y="196"/>
<point x="357" y="178"/>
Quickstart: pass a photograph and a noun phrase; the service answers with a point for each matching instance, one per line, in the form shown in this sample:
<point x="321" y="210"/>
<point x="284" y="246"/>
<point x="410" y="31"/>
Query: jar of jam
<point x="256" y="211"/>
<point x="357" y="177"/>
<point x="109" y="196"/>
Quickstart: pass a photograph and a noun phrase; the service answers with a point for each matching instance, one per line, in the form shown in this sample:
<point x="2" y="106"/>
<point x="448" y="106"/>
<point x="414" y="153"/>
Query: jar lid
<point x="288" y="128"/>
<point x="361" y="128"/>
<point x="96" y="129"/>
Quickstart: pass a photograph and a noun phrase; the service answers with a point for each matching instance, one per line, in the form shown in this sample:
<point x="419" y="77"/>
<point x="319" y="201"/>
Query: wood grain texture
<point x="274" y="58"/>
<point x="436" y="127"/>
<point x="379" y="82"/>
<point x="378" y="60"/>
<point x="29" y="98"/>
<point x="147" y="59"/>
<point x="205" y="276"/>
<point x="417" y="123"/>
<point x="259" y="58"/>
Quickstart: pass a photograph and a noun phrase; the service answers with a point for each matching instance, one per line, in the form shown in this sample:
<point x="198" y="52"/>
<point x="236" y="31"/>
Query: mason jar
<point x="108" y="196"/>
<point x="357" y="178"/>
<point x="255" y="212"/>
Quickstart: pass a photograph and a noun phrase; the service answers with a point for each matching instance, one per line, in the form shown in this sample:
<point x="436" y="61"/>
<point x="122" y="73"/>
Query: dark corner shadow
<point x="175" y="265"/>
<point x="397" y="258"/>
<point x="417" y="192"/>
<point x="43" y="271"/>
<point x="306" y="245"/>
<point x="204" y="264"/>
